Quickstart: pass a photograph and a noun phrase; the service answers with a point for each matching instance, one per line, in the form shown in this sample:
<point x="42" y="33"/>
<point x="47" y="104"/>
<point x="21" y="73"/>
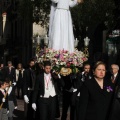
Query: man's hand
<point x="14" y="83"/>
<point x="7" y="111"/>
<point x="80" y="1"/>
<point x="26" y="99"/>
<point x="3" y="100"/>
<point x="15" y="107"/>
<point x="34" y="106"/>
<point x="59" y="76"/>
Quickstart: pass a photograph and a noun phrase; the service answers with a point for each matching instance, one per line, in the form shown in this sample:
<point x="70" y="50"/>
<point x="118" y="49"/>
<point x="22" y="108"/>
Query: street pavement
<point x="19" y="113"/>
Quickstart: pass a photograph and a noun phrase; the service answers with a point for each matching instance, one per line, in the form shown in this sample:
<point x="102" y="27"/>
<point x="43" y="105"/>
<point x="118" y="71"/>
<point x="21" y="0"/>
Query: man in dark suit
<point x="115" y="78"/>
<point x="46" y="91"/>
<point x="29" y="77"/>
<point x="82" y="77"/>
<point x="10" y="72"/>
<point x="86" y="74"/>
<point x="2" y="71"/>
<point x="70" y="92"/>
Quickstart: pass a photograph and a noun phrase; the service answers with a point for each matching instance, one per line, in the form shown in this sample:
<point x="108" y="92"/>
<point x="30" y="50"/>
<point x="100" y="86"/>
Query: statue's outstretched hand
<point x="80" y="1"/>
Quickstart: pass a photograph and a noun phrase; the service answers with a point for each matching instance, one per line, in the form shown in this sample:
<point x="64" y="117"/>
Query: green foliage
<point x="92" y="12"/>
<point x="27" y="10"/>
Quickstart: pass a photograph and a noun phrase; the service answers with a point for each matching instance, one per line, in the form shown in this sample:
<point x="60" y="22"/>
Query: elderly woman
<point x="96" y="95"/>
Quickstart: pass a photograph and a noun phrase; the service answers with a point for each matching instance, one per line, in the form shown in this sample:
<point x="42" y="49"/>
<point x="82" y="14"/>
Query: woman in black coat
<point x="96" y="95"/>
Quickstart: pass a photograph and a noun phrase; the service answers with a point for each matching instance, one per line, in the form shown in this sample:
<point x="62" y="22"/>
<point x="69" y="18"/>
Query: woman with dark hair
<point x="19" y="78"/>
<point x="96" y="95"/>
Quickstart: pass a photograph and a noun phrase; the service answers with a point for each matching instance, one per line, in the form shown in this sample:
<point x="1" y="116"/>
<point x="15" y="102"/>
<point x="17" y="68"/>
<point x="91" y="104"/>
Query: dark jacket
<point x="29" y="78"/>
<point x="39" y="89"/>
<point x="115" y="106"/>
<point x="12" y="97"/>
<point x="2" y="74"/>
<point x="5" y="104"/>
<point x="94" y="101"/>
<point x="10" y="75"/>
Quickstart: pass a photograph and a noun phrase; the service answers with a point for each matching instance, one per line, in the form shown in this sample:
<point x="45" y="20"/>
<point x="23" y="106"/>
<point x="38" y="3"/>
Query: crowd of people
<point x="91" y="94"/>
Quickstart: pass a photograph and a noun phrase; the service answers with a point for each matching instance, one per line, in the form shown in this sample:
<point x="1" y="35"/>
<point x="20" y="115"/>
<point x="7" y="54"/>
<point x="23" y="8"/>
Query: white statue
<point x="61" y="29"/>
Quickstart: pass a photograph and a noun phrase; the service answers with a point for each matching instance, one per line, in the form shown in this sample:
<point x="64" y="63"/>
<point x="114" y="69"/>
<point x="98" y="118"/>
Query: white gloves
<point x="78" y="94"/>
<point x="14" y="83"/>
<point x="59" y="76"/>
<point x="74" y="89"/>
<point x="7" y="111"/>
<point x="15" y="107"/>
<point x="34" y="106"/>
<point x="26" y="99"/>
<point x="9" y="91"/>
<point x="3" y="100"/>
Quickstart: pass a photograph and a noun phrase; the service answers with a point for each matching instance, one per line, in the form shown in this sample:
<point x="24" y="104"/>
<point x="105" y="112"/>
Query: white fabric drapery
<point x="61" y="35"/>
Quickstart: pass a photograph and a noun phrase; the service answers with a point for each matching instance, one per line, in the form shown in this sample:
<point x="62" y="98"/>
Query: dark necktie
<point x="9" y="70"/>
<point x="20" y="75"/>
<point x="113" y="79"/>
<point x="32" y="78"/>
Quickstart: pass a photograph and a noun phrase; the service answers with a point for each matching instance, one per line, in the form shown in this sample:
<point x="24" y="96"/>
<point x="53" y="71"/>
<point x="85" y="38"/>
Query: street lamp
<point x="86" y="43"/>
<point x="38" y="39"/>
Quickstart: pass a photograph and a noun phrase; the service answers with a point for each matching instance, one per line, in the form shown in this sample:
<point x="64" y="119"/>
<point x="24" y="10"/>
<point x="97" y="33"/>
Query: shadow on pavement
<point x="19" y="115"/>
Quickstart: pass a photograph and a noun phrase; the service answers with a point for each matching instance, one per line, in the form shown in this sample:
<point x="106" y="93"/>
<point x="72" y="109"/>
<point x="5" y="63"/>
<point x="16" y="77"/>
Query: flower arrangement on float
<point x="62" y="61"/>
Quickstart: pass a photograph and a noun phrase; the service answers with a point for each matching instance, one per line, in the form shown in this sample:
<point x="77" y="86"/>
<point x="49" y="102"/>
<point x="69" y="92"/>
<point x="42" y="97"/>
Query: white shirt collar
<point x="47" y="74"/>
<point x="2" y="90"/>
<point x="115" y="75"/>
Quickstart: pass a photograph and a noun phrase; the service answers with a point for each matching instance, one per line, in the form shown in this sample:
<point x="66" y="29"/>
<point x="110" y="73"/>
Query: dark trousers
<point x="77" y="108"/>
<point x="47" y="108"/>
<point x="19" y="90"/>
<point x="29" y="110"/>
<point x="115" y="110"/>
<point x="68" y="102"/>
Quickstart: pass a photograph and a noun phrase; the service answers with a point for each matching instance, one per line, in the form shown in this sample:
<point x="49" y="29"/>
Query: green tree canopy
<point x="90" y="12"/>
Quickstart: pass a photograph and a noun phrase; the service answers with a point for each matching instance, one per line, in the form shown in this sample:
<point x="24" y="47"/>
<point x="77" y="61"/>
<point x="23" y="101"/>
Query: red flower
<point x="68" y="64"/>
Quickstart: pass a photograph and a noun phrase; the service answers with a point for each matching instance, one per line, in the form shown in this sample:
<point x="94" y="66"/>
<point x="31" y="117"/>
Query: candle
<point x="46" y="40"/>
<point x="76" y="42"/>
<point x="86" y="41"/>
<point x="38" y="39"/>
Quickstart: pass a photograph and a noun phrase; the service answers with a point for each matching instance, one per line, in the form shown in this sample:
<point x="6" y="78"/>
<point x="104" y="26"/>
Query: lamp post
<point x="86" y="43"/>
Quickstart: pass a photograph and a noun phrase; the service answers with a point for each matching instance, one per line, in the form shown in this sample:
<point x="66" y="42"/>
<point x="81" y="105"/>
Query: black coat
<point x="2" y="74"/>
<point x="39" y="89"/>
<point x="10" y="75"/>
<point x="115" y="107"/>
<point x="94" y="101"/>
<point x="5" y="104"/>
<point x="29" y="77"/>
